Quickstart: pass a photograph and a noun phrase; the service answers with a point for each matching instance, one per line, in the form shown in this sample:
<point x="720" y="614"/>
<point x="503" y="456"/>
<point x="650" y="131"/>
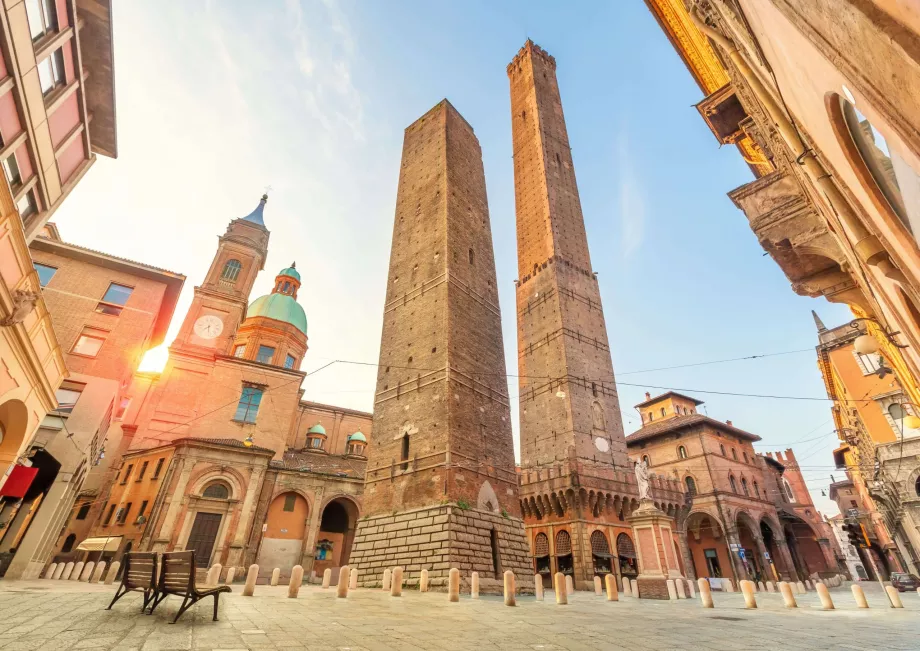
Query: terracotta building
<point x="820" y="100"/>
<point x="577" y="485"/>
<point x="441" y="489"/>
<point x="218" y="453"/>
<point x="107" y="312"/>
<point x="57" y="99"/>
<point x="749" y="516"/>
<point x="871" y="414"/>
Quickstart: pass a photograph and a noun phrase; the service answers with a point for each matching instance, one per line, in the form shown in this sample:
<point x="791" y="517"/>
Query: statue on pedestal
<point x="641" y="469"/>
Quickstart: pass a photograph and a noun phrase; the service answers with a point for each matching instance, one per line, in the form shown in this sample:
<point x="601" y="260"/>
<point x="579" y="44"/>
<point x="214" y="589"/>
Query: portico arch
<point x="336" y="533"/>
<point x="804" y="550"/>
<point x="708" y="547"/>
<point x="286" y="527"/>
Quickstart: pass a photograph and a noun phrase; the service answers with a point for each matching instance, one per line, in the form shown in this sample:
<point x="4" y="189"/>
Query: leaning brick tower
<point x="441" y="488"/>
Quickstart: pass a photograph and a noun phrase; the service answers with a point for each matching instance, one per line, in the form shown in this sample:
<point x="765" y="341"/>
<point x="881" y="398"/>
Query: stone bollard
<point x="809" y="585"/>
<point x="276" y="575"/>
<point x="634" y="586"/>
<point x="681" y="590"/>
<point x="453" y="585"/>
<point x="626" y="591"/>
<point x="859" y="596"/>
<point x="423" y="581"/>
<point x="98" y="573"/>
<point x="77" y="570"/>
<point x="295" y="582"/>
<point x="705" y="593"/>
<point x="112" y="573"/>
<point x="231" y="574"/>
<point x="474" y="585"/>
<point x="353" y="579"/>
<point x="918" y="591"/>
<point x="509" y="588"/>
<point x="396" y="581"/>
<point x="538" y="586"/>
<point x="58" y="571"/>
<point x="562" y="597"/>
<point x="788" y="598"/>
<point x="691" y="589"/>
<point x="761" y="587"/>
<point x="68" y="569"/>
<point x="598" y="589"/>
<point x="385" y="584"/>
<point x="894" y="596"/>
<point x="50" y="571"/>
<point x="826" y="602"/>
<point x="213" y="575"/>
<point x="771" y="587"/>
<point x="87" y="571"/>
<point x="341" y="590"/>
<point x="800" y="588"/>
<point x="747" y="589"/>
<point x="327" y="577"/>
<point x="611" y="584"/>
<point x="672" y="591"/>
<point x="569" y="584"/>
<point x="251" y="576"/>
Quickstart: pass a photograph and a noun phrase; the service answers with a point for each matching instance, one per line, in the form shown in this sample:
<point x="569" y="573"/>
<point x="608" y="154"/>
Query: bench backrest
<point x="140" y="570"/>
<point x="177" y="575"/>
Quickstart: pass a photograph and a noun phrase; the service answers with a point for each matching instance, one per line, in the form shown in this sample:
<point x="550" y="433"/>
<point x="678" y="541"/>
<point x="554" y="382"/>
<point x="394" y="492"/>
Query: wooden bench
<point x="177" y="576"/>
<point x="139" y="575"/>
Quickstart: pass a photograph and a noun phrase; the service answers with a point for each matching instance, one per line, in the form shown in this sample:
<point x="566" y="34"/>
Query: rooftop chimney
<point x="729" y="423"/>
<point x="648" y="396"/>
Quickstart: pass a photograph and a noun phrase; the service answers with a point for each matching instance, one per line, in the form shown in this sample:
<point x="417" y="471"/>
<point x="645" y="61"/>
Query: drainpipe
<point x="867" y="246"/>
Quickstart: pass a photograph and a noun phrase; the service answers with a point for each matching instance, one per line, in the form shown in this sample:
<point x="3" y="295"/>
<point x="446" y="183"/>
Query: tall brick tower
<point x="568" y="398"/>
<point x="441" y="488"/>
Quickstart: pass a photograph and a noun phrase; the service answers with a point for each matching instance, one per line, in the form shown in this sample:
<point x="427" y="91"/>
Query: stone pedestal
<point x="653" y="532"/>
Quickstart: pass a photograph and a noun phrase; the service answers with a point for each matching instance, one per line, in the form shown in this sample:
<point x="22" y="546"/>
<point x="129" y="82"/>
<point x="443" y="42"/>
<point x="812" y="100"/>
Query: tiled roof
<point x="320" y="463"/>
<point x="71" y="245"/>
<point x="230" y="443"/>
<point x="674" y="423"/>
<point x="665" y="395"/>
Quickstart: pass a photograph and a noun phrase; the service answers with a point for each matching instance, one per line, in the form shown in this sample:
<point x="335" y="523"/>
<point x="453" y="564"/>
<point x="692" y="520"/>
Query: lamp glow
<point x="866" y="345"/>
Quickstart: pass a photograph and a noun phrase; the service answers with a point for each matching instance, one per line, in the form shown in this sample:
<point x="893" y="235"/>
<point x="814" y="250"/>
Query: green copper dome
<point x="317" y="429"/>
<point x="279" y="307"/>
<point x="290" y="271"/>
<point x="358" y="436"/>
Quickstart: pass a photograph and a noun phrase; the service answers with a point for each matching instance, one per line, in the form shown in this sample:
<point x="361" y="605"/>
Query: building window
<point x="734" y="454"/>
<point x="143" y="510"/>
<point x="893" y="176"/>
<point x="681" y="452"/>
<point x="248" y="407"/>
<point x="731" y="480"/>
<point x="231" y="271"/>
<point x="216" y="490"/>
<point x="45" y="273"/>
<point x="471" y="256"/>
<point x="788" y="490"/>
<point x="356" y="448"/>
<point x="663" y="412"/>
<point x="156" y="470"/>
<point x="868" y="364"/>
<point x="266" y="353"/>
<point x="289" y="361"/>
<point x="68" y="543"/>
<point x="897" y="413"/>
<point x="11" y="169"/>
<point x="67" y="398"/>
<point x="315" y="442"/>
<point x="745" y="457"/>
<point x="289" y="500"/>
<point x="404" y="452"/>
<point x="89" y="342"/>
<point x="756" y="489"/>
<point x="42" y="17"/>
<point x="691" y="485"/>
<point x="124" y="479"/>
<point x="26" y="204"/>
<point x="108" y="516"/>
<point x="123" y="513"/>
<point x="651" y="417"/>
<point x="114" y="299"/>
<point x="140" y="473"/>
<point x="122" y="408"/>
<point x="240" y="350"/>
<point x="83" y="512"/>
<point x="646" y="460"/>
<point x="51" y="71"/>
<point x="722" y="449"/>
<point x="744" y="486"/>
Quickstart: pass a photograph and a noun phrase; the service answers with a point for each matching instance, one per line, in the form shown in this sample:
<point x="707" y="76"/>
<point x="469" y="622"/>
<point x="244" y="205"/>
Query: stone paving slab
<point x="60" y="616"/>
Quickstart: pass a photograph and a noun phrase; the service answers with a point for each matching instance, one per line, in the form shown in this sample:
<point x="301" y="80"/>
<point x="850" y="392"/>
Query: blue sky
<point x="217" y="100"/>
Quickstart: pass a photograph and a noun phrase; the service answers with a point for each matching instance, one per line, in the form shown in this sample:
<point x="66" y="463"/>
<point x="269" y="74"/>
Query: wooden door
<point x="202" y="537"/>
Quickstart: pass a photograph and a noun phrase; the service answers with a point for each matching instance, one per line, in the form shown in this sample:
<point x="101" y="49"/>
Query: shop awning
<point x="103" y="544"/>
<point x="18" y="482"/>
<point x="602" y="554"/>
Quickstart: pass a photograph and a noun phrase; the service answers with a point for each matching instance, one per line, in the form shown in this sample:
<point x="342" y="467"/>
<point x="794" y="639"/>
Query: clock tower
<point x="220" y="301"/>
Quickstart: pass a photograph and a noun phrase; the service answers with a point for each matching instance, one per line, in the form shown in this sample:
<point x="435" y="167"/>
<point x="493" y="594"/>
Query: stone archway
<point x="336" y="534"/>
<point x="286" y="524"/>
<point x="750" y="541"/>
<point x="708" y="547"/>
<point x="804" y="550"/>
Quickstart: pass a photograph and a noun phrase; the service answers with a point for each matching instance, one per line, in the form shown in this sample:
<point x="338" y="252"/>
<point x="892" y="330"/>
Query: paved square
<point x="60" y="615"/>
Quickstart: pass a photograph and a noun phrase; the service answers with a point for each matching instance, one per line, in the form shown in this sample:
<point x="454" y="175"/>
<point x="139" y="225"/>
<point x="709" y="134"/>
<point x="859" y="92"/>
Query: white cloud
<point x="631" y="196"/>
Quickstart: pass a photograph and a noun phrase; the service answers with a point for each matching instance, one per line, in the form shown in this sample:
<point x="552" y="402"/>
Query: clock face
<point x="209" y="326"/>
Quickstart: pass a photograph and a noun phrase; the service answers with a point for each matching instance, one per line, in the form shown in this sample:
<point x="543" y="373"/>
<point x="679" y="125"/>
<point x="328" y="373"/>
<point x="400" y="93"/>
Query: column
<point x="685" y="552"/>
<point x="310" y="545"/>
<point x="733" y="542"/>
<point x="175" y="497"/>
<point x="246" y="513"/>
<point x="764" y="563"/>
<point x="787" y="572"/>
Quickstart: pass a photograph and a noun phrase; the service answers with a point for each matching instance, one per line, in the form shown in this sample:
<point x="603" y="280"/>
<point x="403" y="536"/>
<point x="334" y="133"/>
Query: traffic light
<point x="865" y="534"/>
<point x="855" y="535"/>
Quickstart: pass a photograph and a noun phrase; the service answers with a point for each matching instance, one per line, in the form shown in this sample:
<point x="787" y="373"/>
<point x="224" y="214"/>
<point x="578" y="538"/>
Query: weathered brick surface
<point x="561" y="329"/>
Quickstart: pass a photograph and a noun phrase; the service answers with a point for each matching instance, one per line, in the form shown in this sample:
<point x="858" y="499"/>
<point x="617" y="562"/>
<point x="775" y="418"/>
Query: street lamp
<point x="248" y="441"/>
<point x="867" y="344"/>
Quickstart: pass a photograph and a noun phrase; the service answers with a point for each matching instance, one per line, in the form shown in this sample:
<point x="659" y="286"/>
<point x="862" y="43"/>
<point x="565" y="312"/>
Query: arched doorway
<point x="749" y="554"/>
<point x="804" y="549"/>
<point x="708" y="548"/>
<point x="775" y="561"/>
<point x="541" y="560"/>
<point x="284" y="533"/>
<point x="564" y="553"/>
<point x="626" y="557"/>
<point x="336" y="534"/>
<point x="600" y="554"/>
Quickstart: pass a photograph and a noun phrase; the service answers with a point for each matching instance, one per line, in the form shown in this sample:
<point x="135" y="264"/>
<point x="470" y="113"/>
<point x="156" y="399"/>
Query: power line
<point x="717" y="361"/>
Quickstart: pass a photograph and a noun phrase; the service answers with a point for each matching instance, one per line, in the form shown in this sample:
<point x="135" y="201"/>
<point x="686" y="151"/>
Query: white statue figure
<point x="642" y="479"/>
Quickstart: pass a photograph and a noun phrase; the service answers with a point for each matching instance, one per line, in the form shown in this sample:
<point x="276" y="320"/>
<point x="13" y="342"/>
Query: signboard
<point x="766" y="555"/>
<point x="852" y="513"/>
<point x="715" y="584"/>
<point x="734" y="547"/>
<point x="741" y="554"/>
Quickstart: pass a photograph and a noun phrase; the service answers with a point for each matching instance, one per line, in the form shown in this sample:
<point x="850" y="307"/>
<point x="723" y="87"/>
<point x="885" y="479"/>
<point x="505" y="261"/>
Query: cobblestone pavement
<point x="59" y="615"/>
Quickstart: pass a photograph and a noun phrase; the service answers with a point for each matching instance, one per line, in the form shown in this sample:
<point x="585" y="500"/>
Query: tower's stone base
<point x="438" y="538"/>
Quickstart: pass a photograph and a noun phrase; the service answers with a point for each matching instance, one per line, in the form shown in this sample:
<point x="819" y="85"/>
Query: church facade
<point x="219" y="453"/>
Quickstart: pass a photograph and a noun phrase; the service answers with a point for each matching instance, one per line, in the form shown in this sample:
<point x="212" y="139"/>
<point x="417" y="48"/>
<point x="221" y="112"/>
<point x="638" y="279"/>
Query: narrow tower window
<point x="471" y="256"/>
<point x="404" y="454"/>
<point x="231" y="270"/>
